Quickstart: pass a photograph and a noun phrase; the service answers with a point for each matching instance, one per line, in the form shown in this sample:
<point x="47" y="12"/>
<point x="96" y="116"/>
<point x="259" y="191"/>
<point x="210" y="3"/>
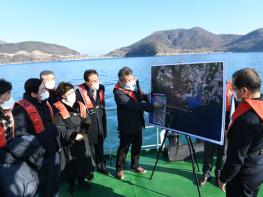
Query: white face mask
<point x="130" y="85"/>
<point x="95" y="87"/>
<point x="44" y="96"/>
<point x="8" y="105"/>
<point x="71" y="99"/>
<point x="50" y="85"/>
<point x="237" y="99"/>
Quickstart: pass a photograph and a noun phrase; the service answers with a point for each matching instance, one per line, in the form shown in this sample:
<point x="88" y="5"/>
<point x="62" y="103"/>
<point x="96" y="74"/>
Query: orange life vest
<point x="127" y="92"/>
<point x="34" y="115"/>
<point x="65" y="113"/>
<point x="86" y="98"/>
<point x="2" y="132"/>
<point x="256" y="105"/>
<point x="229" y="94"/>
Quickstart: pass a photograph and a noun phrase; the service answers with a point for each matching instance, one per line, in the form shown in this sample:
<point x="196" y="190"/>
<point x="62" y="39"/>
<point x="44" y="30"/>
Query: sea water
<point x="72" y="71"/>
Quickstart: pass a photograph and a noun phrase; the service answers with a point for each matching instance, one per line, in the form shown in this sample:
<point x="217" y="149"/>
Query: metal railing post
<point x="157" y="136"/>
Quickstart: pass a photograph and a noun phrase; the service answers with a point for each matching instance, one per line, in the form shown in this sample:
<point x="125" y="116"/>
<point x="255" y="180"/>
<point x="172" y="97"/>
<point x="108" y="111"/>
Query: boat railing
<point x="151" y="134"/>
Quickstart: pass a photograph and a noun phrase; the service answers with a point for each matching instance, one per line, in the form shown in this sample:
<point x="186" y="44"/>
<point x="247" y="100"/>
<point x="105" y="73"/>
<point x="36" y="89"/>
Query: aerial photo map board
<point x="193" y="96"/>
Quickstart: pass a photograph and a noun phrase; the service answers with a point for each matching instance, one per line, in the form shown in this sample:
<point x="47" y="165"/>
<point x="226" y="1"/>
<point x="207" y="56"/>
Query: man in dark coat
<point x="92" y="94"/>
<point x="33" y="116"/>
<point x="19" y="156"/>
<point x="72" y="122"/>
<point x="130" y="109"/>
<point x="242" y="173"/>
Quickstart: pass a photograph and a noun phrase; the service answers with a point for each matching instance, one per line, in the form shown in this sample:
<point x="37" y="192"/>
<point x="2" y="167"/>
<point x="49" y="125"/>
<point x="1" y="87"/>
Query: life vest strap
<point x="62" y="110"/>
<point x="34" y="115"/>
<point x="65" y="113"/>
<point x="82" y="110"/>
<point x="127" y="92"/>
<point x="87" y="100"/>
<point x="248" y="104"/>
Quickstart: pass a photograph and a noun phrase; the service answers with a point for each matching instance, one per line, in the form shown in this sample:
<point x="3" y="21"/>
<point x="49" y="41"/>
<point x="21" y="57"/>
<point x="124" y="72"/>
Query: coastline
<point x="104" y="57"/>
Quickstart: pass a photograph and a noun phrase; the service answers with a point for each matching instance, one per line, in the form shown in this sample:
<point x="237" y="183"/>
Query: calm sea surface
<point x="72" y="71"/>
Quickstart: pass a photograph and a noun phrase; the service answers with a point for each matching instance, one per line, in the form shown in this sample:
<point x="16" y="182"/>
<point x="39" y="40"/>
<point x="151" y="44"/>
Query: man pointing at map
<point x="131" y="104"/>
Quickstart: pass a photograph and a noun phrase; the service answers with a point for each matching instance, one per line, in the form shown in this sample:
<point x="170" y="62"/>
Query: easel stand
<point x="193" y="158"/>
<point x="159" y="153"/>
<point x="192" y="155"/>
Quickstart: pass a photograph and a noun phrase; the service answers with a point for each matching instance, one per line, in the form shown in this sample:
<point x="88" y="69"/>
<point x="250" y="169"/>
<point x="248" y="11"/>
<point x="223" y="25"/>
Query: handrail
<point x="110" y="134"/>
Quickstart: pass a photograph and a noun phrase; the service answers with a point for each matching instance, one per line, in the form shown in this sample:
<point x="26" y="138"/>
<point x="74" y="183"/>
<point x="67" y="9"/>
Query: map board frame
<point x="220" y="126"/>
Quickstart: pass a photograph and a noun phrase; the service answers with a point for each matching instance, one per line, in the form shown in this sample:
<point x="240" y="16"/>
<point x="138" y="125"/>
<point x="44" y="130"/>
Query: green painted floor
<point x="170" y="179"/>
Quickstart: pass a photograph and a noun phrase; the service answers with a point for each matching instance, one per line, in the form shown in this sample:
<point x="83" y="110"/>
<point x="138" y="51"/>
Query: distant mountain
<point x="2" y="42"/>
<point x="34" y="52"/>
<point x="194" y="40"/>
<point x="252" y="41"/>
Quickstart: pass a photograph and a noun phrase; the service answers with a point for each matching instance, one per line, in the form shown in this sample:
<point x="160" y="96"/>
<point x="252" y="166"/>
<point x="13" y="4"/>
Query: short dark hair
<point x="5" y="86"/>
<point x="45" y="72"/>
<point x="63" y="88"/>
<point x="248" y="78"/>
<point x="32" y="85"/>
<point x="87" y="73"/>
<point x="124" y="71"/>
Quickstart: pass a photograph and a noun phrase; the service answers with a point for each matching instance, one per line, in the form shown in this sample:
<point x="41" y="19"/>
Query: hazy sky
<point x="96" y="27"/>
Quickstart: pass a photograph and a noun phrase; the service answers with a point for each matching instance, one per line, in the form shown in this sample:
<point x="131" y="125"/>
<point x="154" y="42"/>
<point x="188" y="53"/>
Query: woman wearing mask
<point x="17" y="177"/>
<point x="72" y="122"/>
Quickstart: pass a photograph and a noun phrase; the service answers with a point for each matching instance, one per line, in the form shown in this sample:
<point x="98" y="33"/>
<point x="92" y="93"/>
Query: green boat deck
<point x="171" y="179"/>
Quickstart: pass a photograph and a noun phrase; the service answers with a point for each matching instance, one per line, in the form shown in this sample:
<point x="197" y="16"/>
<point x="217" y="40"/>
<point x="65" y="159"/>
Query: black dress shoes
<point x="102" y="169"/>
<point x="204" y="179"/>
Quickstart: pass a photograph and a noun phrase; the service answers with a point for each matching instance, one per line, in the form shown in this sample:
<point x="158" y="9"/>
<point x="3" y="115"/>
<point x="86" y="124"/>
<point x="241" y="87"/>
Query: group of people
<point x="56" y="133"/>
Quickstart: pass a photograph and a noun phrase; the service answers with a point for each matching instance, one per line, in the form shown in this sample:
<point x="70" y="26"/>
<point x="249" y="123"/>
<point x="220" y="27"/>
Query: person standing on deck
<point x="131" y="104"/>
<point x="242" y="173"/>
<point x="92" y="94"/>
<point x="210" y="149"/>
<point x="72" y="121"/>
<point x="19" y="157"/>
<point x="33" y="115"/>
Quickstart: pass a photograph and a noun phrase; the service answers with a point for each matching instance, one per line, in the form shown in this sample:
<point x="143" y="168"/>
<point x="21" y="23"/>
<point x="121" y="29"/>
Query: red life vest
<point x="248" y="104"/>
<point x="127" y="92"/>
<point x="34" y="115"/>
<point x="229" y="94"/>
<point x="2" y="137"/>
<point x="65" y="113"/>
<point x="86" y="98"/>
<point x="2" y="132"/>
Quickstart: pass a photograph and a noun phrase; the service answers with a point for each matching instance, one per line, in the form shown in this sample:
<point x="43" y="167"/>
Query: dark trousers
<point x="98" y="151"/>
<point x="209" y="151"/>
<point x="241" y="187"/>
<point x="49" y="177"/>
<point x="127" y="139"/>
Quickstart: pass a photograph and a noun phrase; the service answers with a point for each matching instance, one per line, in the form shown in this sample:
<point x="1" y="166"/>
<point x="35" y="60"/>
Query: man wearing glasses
<point x="131" y="104"/>
<point x="91" y="93"/>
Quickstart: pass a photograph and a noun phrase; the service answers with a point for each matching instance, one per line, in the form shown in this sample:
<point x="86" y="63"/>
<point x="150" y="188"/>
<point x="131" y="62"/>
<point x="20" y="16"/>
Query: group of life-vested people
<point x="58" y="132"/>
